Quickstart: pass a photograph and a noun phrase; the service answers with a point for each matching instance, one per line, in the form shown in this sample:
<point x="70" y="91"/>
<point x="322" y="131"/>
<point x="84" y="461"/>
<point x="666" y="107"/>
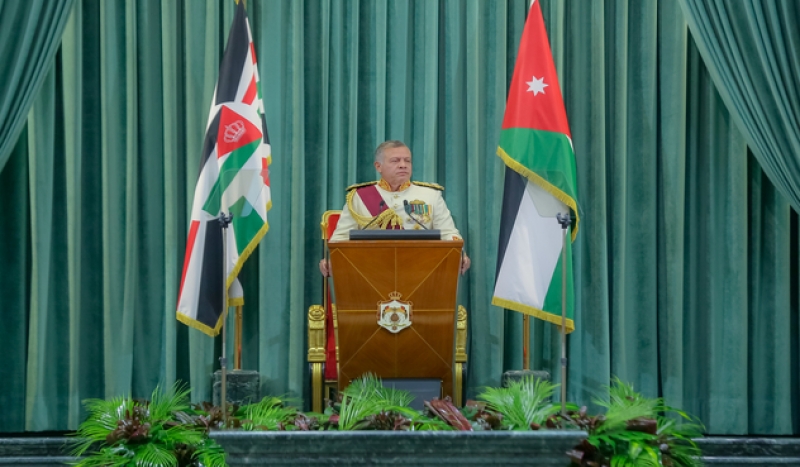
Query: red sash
<point x="373" y="201"/>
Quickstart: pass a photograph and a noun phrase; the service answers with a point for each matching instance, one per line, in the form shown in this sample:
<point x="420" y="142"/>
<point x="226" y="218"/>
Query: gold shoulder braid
<point x="384" y="219"/>
<point x="359" y="185"/>
<point x="435" y="186"/>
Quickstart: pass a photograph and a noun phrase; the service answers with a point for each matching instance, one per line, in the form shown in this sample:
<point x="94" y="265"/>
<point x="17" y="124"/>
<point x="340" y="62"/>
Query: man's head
<point x="393" y="162"/>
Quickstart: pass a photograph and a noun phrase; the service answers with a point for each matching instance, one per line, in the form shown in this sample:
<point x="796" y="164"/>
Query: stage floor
<point x="364" y="448"/>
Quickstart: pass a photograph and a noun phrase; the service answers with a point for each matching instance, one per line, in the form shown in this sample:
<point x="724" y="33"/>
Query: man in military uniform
<point x="395" y="202"/>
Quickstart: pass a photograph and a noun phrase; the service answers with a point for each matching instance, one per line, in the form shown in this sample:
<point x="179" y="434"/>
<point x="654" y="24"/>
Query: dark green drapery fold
<point x="752" y="51"/>
<point x="686" y="263"/>
<point x="30" y="33"/>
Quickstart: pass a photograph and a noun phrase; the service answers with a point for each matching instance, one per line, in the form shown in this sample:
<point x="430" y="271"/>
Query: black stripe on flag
<point x="209" y="303"/>
<point x="210" y="142"/>
<point x="512" y="197"/>
<point x="230" y="69"/>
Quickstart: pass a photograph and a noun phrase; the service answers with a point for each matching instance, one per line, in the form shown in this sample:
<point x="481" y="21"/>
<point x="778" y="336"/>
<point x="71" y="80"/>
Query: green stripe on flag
<point x="552" y="300"/>
<point x="545" y="158"/>
<point x="246" y="223"/>
<point x="235" y="161"/>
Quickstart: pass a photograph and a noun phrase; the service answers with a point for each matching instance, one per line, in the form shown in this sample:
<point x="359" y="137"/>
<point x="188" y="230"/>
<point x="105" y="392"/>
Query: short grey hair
<point x="392" y="143"/>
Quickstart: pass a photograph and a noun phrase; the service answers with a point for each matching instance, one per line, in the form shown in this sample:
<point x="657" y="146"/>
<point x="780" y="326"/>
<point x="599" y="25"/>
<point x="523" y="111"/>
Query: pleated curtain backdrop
<point x="30" y="33"/>
<point x="686" y="263"/>
<point x="752" y="50"/>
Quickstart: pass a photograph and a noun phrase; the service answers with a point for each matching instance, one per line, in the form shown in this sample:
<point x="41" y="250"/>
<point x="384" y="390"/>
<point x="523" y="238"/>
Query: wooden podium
<point x="410" y="286"/>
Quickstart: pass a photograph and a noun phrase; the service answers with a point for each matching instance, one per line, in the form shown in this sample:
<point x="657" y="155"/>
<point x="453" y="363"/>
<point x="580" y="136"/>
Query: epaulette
<point x="359" y="185"/>
<point x="435" y="186"/>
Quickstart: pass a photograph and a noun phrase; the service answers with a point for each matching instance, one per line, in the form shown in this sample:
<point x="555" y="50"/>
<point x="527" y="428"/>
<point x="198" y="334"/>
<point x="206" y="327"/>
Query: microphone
<point x="381" y="207"/>
<point x="407" y="208"/>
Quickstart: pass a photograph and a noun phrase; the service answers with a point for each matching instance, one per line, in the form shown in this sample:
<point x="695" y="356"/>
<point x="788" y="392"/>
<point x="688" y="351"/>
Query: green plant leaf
<point x="268" y="413"/>
<point x="210" y="454"/>
<point x="371" y="387"/>
<point x="164" y="403"/>
<point x="183" y="434"/>
<point x="602" y="439"/>
<point x="109" y="456"/>
<point x="367" y="397"/>
<point x="619" y="460"/>
<point x="638" y="431"/>
<point x="523" y="403"/>
<point x="102" y="419"/>
<point x="154" y="455"/>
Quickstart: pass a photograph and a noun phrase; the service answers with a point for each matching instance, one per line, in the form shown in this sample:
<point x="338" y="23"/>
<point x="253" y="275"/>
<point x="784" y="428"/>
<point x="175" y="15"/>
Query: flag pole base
<point x="243" y="387"/>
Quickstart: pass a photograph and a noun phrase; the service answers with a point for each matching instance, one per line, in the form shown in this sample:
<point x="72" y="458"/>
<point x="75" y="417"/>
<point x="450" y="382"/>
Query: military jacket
<point x="427" y="207"/>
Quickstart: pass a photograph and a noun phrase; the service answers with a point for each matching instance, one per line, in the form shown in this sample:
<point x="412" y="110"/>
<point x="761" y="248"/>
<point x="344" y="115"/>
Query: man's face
<point x="396" y="166"/>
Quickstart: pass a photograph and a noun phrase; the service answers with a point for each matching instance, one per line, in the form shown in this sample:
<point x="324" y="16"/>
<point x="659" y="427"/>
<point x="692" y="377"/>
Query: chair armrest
<point x="316" y="334"/>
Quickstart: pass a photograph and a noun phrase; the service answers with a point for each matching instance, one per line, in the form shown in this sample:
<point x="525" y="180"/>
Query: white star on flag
<point x="536" y="85"/>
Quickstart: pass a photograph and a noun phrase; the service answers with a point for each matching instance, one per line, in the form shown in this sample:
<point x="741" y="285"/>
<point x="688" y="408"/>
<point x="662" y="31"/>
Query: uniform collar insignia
<point x="385" y="185"/>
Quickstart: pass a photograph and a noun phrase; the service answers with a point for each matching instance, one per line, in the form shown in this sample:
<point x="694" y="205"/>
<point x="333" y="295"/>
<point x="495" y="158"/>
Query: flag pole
<point x="224" y="221"/>
<point x="526" y="339"/>
<point x="565" y="221"/>
<point x="237" y="339"/>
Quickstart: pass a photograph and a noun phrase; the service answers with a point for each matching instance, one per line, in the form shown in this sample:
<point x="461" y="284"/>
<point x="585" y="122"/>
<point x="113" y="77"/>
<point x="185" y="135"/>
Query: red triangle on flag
<point x="234" y="131"/>
<point x="534" y="98"/>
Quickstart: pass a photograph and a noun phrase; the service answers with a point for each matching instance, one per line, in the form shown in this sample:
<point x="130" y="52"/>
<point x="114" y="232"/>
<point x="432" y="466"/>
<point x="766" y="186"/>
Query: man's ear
<point x="377" y="165"/>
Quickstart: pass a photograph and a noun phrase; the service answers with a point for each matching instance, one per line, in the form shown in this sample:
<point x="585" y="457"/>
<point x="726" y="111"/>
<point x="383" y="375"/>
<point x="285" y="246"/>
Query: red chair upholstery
<point x="329" y="221"/>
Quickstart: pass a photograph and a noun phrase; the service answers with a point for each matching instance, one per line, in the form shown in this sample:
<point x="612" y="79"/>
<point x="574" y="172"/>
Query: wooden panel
<point x="426" y="274"/>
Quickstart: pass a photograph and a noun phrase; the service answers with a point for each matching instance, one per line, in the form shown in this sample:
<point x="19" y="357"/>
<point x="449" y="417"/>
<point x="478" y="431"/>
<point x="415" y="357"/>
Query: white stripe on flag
<point x="533" y="250"/>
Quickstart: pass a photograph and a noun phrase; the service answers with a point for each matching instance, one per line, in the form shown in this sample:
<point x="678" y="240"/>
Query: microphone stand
<point x="381" y="208"/>
<point x="224" y="221"/>
<point x="565" y="222"/>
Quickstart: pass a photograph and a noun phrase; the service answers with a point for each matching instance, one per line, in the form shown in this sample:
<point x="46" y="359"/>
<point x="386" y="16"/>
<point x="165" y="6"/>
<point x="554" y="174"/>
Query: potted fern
<point x="123" y="431"/>
<point x="523" y="405"/>
<point x="367" y="405"/>
<point x="636" y="431"/>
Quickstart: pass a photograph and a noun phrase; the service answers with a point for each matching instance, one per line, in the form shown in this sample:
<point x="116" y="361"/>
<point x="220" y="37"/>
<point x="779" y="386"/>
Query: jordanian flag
<point x="234" y="180"/>
<point x="536" y="146"/>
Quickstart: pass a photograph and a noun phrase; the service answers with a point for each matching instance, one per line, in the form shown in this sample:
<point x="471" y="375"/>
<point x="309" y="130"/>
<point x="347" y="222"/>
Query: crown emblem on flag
<point x="395" y="295"/>
<point x="234" y="131"/>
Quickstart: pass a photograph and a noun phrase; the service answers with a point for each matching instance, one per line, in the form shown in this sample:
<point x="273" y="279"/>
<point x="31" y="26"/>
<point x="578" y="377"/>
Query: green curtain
<point x="686" y="263"/>
<point x="30" y="32"/>
<point x="752" y="50"/>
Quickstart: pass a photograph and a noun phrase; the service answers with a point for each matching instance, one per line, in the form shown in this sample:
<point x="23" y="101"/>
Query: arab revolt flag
<point x="536" y="146"/>
<point x="233" y="180"/>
